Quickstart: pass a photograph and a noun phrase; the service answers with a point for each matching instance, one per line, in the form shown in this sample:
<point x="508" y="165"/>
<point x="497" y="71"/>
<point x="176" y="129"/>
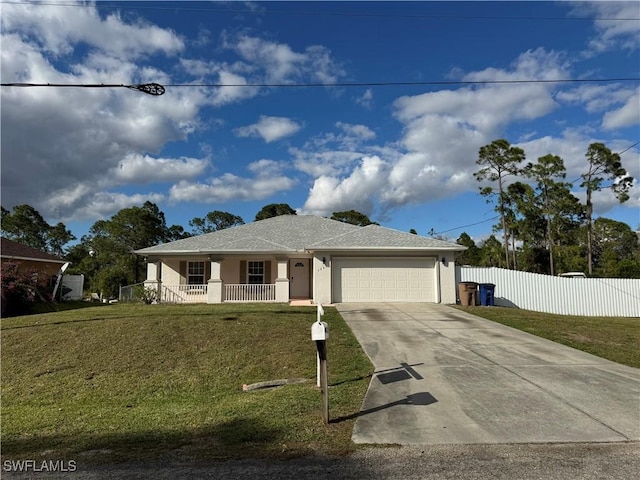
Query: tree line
<point x="544" y="226"/>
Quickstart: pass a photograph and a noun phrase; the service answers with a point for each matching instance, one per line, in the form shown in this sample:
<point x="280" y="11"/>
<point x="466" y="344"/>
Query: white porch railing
<point x="184" y="293"/>
<point x="244" y="292"/>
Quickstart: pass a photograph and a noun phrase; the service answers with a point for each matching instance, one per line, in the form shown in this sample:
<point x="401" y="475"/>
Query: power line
<point x="325" y="14"/>
<point x="465" y="226"/>
<point x="337" y="84"/>
<point x="432" y="82"/>
<point x="628" y="148"/>
<point x="154" y="89"/>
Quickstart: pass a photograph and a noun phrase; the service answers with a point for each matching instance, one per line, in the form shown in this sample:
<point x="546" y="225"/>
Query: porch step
<point x="302" y="303"/>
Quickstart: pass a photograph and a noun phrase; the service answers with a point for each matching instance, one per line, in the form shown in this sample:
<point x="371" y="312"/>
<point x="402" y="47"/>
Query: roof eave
<point x="32" y="259"/>
<point x="387" y="249"/>
<point x="182" y="253"/>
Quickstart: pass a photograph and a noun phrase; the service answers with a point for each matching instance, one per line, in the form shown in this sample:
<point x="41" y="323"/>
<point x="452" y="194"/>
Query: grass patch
<point x="61" y="306"/>
<point x="613" y="338"/>
<point x="134" y="381"/>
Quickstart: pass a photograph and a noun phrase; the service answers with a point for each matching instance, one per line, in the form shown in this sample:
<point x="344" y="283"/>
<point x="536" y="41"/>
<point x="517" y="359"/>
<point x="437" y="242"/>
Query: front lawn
<point x="613" y="338"/>
<point x="148" y="381"/>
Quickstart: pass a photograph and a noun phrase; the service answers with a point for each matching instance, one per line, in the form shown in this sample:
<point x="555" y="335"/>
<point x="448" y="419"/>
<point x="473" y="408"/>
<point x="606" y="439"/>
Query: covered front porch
<point x="230" y="279"/>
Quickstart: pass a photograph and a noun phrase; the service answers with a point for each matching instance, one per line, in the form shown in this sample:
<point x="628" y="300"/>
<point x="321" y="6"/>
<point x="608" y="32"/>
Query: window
<point x="255" y="273"/>
<point x="195" y="273"/>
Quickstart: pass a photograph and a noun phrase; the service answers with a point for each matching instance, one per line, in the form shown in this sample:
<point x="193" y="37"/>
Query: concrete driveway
<point x="447" y="377"/>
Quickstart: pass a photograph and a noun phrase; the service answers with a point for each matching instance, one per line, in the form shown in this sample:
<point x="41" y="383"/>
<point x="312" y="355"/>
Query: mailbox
<point x="319" y="331"/>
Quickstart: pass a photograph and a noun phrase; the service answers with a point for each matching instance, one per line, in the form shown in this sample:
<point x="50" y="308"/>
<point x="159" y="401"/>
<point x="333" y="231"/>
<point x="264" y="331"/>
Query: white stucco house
<point x="303" y="257"/>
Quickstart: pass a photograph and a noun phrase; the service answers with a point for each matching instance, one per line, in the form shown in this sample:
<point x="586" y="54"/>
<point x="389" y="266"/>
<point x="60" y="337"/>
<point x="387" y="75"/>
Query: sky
<point x="240" y="125"/>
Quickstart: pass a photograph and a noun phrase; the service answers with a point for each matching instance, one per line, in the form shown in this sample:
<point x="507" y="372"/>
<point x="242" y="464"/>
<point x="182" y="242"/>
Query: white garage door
<point x="383" y="279"/>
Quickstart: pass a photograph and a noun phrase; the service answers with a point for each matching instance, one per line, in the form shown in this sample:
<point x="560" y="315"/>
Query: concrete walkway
<point x="447" y="377"/>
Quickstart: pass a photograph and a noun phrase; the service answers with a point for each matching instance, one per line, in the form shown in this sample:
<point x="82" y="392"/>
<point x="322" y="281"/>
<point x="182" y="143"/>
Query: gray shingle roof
<point x="297" y="233"/>
<point x="377" y="237"/>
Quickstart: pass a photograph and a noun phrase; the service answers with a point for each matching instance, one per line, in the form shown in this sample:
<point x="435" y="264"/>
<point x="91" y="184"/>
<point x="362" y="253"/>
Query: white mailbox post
<point x="320" y="335"/>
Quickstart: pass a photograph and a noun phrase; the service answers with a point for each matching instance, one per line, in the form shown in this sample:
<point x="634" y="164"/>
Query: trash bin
<point x="467" y="292"/>
<point x="486" y="294"/>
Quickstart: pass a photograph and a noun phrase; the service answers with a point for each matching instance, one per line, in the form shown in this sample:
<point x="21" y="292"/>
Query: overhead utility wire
<point x="465" y="226"/>
<point x="154" y="89"/>
<point x="628" y="148"/>
<point x="340" y="84"/>
<point x="324" y="14"/>
<point x="386" y="84"/>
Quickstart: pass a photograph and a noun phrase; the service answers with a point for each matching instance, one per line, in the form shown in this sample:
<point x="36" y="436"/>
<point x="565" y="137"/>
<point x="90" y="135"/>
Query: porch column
<point x="158" y="265"/>
<point x="154" y="279"/>
<point x="282" y="280"/>
<point x="214" y="284"/>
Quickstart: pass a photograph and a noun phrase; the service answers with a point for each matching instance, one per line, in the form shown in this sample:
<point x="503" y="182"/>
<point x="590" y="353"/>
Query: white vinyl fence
<point x="610" y="297"/>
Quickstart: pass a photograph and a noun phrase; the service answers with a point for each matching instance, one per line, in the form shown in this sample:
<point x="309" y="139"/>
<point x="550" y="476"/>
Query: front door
<point x="299" y="278"/>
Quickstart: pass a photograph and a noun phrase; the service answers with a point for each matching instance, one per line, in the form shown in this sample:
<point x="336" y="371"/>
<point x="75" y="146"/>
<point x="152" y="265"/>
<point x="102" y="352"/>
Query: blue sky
<point x="403" y="154"/>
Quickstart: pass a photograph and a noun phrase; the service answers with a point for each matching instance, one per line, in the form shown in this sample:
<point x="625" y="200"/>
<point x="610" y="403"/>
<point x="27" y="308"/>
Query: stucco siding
<point x="171" y="272"/>
<point x="447" y="278"/>
<point x="321" y="275"/>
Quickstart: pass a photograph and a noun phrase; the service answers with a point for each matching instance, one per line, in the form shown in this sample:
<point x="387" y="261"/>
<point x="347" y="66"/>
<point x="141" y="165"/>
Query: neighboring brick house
<point x="44" y="264"/>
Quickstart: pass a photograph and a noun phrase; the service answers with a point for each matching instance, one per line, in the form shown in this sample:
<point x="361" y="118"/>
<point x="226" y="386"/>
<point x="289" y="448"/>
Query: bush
<point x="146" y="294"/>
<point x="21" y="290"/>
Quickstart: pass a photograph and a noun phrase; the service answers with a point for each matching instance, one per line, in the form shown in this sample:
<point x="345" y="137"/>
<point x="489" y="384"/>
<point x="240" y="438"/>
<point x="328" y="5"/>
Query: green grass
<point x="613" y="338"/>
<point x="148" y="381"/>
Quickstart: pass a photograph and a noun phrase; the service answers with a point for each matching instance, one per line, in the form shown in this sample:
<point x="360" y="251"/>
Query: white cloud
<point x="317" y="163"/>
<point x="137" y="168"/>
<point x="99" y="139"/>
<point x="359" y="132"/>
<point x="443" y="132"/>
<point x="81" y="202"/>
<point x="234" y="91"/>
<point x="489" y="108"/>
<point x="278" y="60"/>
<point x="599" y="98"/>
<point x="436" y="155"/>
<point x="203" y="39"/>
<point x="366" y="100"/>
<point x="627" y="115"/>
<point x="269" y="129"/>
<point x="280" y="64"/>
<point x="81" y="137"/>
<point x="596" y="98"/>
<point x="357" y="191"/>
<point x="334" y="153"/>
<point x="610" y="33"/>
<point x="265" y="167"/>
<point x="59" y="33"/>
<point x="106" y="204"/>
<point x="444" y="129"/>
<point x="230" y="187"/>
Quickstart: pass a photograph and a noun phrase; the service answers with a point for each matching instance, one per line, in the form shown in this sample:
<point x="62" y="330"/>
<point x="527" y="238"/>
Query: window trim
<point x="255" y="275"/>
<point x="189" y="275"/>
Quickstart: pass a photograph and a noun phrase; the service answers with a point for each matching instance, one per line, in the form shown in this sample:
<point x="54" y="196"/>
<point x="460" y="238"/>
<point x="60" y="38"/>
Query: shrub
<point x="146" y="294"/>
<point x="21" y="290"/>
